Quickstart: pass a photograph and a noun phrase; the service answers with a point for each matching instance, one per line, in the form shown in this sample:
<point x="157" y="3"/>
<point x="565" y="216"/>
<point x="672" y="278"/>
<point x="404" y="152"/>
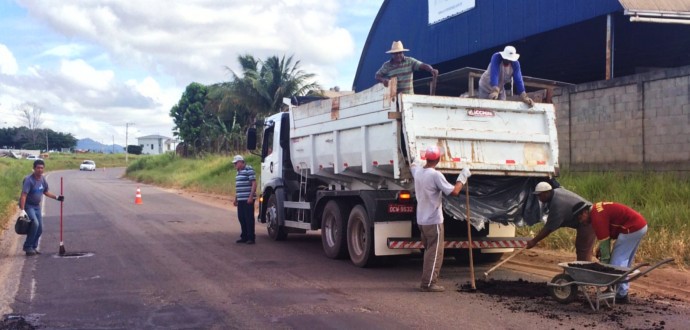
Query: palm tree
<point x="263" y="84"/>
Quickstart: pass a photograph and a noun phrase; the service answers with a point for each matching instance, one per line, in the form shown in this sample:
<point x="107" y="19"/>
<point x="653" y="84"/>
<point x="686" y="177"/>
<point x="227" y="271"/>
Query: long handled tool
<point x="469" y="234"/>
<point x="62" y="246"/>
<point x="486" y="273"/>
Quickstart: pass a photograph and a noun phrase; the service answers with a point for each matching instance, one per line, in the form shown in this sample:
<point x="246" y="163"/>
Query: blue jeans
<point x="623" y="253"/>
<point x="245" y="213"/>
<point x="36" y="228"/>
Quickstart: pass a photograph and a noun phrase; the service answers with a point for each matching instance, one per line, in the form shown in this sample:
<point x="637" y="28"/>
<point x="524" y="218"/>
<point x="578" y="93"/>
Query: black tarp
<point x="506" y="200"/>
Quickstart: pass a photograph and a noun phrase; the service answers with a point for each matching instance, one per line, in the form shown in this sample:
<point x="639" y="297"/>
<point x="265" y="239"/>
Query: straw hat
<point x="509" y="53"/>
<point x="397" y="47"/>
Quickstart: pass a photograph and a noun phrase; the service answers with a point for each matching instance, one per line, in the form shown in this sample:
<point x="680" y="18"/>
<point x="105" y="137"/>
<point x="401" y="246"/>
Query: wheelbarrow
<point x="596" y="286"/>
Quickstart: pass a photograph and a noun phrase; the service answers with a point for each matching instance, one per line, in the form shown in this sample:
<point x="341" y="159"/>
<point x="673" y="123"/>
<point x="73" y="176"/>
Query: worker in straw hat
<point x="429" y="184"/>
<point x="503" y="66"/>
<point x="401" y="67"/>
<point x="614" y="221"/>
<point x="560" y="202"/>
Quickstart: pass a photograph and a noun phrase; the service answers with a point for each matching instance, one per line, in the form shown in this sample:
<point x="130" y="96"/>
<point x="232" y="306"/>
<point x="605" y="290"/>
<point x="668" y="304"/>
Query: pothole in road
<point x="73" y="255"/>
<point x="15" y="322"/>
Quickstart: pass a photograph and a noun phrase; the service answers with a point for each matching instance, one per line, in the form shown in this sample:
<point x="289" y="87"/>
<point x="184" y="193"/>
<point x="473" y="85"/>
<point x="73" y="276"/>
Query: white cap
<point x="237" y="158"/>
<point x="542" y="187"/>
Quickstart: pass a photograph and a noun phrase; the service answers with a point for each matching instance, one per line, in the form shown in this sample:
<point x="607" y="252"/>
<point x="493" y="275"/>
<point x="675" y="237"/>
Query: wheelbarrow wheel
<point x="563" y="294"/>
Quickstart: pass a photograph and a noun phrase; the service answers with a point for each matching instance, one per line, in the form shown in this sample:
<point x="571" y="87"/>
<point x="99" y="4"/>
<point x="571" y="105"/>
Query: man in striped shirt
<point x="245" y="189"/>
<point x="401" y="67"/>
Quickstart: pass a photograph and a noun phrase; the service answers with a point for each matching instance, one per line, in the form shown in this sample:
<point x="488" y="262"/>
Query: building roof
<point x="558" y="40"/>
<point x="152" y="137"/>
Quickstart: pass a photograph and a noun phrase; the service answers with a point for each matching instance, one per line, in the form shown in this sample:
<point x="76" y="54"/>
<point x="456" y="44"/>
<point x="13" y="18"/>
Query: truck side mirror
<point x="251" y="138"/>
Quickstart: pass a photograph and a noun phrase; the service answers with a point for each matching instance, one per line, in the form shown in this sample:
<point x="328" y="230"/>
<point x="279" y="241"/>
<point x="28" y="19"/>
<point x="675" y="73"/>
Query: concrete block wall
<point x="637" y="122"/>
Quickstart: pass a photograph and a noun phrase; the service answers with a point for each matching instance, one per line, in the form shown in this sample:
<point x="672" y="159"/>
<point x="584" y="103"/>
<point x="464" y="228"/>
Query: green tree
<point x="188" y="115"/>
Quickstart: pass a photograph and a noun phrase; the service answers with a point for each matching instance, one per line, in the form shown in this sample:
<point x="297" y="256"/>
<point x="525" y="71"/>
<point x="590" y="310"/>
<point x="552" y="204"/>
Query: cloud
<point x="8" y="64"/>
<point x="195" y="40"/>
<point x="97" y="64"/>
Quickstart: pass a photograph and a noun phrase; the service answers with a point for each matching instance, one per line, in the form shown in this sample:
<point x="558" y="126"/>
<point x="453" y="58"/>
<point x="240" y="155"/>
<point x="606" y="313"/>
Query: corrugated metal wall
<point x="490" y="25"/>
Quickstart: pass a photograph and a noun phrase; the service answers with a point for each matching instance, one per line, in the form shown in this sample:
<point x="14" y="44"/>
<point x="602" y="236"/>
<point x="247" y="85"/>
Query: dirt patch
<point x="519" y="288"/>
<point x="597" y="268"/>
<point x="522" y="296"/>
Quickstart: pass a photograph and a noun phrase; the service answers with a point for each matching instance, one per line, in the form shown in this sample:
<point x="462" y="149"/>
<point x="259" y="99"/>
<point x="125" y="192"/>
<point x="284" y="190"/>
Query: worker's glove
<point x="527" y="99"/>
<point x="605" y="251"/>
<point x="494" y="93"/>
<point x="61" y="198"/>
<point x="22" y="214"/>
<point x="464" y="175"/>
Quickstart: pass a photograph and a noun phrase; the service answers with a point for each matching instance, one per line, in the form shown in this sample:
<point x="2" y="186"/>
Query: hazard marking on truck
<point x="480" y="113"/>
<point x="400" y="208"/>
<point x="508" y="243"/>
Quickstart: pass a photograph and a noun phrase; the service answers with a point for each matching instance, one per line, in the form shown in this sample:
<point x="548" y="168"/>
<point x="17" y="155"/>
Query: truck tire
<point x="360" y="237"/>
<point x="276" y="231"/>
<point x="334" y="230"/>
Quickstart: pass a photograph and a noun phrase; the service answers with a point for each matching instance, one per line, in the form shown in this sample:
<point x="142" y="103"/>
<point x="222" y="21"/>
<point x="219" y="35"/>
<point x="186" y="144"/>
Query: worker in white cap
<point x="560" y="202"/>
<point x="245" y="192"/>
<point x="429" y="184"/>
<point x="503" y="66"/>
<point x="401" y="67"/>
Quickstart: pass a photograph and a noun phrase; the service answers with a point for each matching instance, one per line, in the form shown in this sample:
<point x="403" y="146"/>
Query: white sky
<point x="94" y="65"/>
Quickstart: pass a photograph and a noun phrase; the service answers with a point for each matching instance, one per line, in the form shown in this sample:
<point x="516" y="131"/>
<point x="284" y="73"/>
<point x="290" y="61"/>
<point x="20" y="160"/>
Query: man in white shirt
<point x="429" y="184"/>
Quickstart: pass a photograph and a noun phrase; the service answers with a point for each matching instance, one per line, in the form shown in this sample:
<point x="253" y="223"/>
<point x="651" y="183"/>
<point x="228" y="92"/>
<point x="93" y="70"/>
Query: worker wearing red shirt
<point x="619" y="222"/>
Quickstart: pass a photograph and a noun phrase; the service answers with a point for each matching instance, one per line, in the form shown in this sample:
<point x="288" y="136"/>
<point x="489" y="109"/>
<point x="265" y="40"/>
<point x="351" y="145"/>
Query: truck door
<point x="271" y="154"/>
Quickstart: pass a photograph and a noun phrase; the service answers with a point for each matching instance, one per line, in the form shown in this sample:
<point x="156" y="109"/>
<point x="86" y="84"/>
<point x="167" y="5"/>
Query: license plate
<point x="400" y="208"/>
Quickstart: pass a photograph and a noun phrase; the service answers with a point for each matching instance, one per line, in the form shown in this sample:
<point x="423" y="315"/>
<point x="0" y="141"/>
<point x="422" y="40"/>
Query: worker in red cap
<point x="429" y="184"/>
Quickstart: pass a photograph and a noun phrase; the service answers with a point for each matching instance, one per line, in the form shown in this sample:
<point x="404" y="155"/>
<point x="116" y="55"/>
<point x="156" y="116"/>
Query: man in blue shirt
<point x="245" y="189"/>
<point x="33" y="188"/>
<point x="503" y="66"/>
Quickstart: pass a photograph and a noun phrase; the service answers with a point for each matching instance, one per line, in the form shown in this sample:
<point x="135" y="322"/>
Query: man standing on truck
<point x="503" y="66"/>
<point x="429" y="184"/>
<point x="245" y="187"/>
<point x="560" y="203"/>
<point x="401" y="67"/>
<point x="614" y="221"/>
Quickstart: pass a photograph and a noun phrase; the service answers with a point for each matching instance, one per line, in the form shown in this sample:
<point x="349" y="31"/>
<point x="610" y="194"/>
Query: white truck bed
<point x="359" y="137"/>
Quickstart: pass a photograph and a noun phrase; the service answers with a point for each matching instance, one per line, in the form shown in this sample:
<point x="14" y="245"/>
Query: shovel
<point x="486" y="273"/>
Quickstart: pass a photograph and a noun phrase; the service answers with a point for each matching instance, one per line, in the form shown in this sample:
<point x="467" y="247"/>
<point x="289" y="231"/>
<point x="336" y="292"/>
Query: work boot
<point x="30" y="253"/>
<point x="431" y="288"/>
<point x="37" y="252"/>
<point x="241" y="241"/>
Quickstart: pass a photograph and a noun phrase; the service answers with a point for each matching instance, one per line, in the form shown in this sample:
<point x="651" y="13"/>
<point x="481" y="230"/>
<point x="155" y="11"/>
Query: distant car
<point x="33" y="157"/>
<point x="87" y="165"/>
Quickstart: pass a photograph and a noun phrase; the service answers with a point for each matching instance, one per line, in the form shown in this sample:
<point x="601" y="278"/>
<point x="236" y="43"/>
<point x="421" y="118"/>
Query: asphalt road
<point x="172" y="263"/>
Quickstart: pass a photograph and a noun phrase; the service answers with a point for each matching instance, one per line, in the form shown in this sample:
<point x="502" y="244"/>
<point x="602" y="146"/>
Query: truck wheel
<point x="334" y="231"/>
<point x="563" y="294"/>
<point x="360" y="237"/>
<point x="275" y="231"/>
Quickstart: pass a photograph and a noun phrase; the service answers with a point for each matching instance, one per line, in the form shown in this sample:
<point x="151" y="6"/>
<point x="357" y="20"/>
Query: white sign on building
<point x="440" y="10"/>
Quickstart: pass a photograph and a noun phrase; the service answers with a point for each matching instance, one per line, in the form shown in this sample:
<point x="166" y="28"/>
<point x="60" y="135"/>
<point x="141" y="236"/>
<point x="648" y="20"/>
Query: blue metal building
<point x="562" y="40"/>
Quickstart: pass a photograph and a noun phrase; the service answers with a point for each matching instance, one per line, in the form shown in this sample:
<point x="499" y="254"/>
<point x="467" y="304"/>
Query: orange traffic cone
<point x="137" y="199"/>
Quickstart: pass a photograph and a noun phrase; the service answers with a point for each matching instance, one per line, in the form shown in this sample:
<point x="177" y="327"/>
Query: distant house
<point x="154" y="144"/>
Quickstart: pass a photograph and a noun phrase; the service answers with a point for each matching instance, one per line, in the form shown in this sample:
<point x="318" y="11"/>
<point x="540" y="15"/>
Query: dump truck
<point x="342" y="166"/>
